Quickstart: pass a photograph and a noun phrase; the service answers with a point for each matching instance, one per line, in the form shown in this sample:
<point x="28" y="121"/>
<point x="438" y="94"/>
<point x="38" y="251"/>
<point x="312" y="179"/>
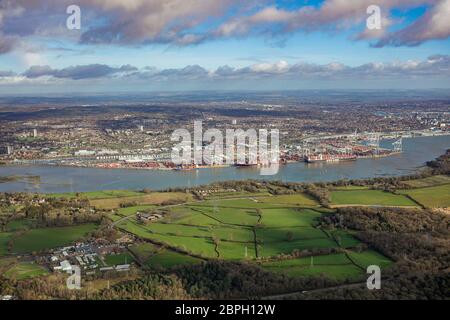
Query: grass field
<point x="350" y="188"/>
<point x="116" y="259"/>
<point x="335" y="266"/>
<point x="106" y="194"/>
<point x="431" y="197"/>
<point x="298" y="199"/>
<point x="170" y="259"/>
<point x="159" y="257"/>
<point x="141" y="199"/>
<point x="129" y="211"/>
<point x="288" y="217"/>
<point x="144" y="251"/>
<point x="25" y="270"/>
<point x="369" y="257"/>
<point x="429" y="181"/>
<point x="369" y="198"/>
<point x="16" y="225"/>
<point x="47" y="238"/>
<point x="4" y="239"/>
<point x="241" y="229"/>
<point x="246" y="226"/>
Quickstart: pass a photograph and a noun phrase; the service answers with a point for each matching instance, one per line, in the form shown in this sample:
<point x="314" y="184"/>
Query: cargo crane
<point x="398" y="145"/>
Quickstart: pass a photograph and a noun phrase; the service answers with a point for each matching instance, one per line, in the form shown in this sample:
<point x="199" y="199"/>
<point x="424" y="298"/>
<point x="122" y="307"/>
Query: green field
<point x="288" y="217"/>
<point x="428" y="182"/>
<point x="159" y="257"/>
<point x="239" y="226"/>
<point x="350" y="188"/>
<point x="143" y="251"/>
<point x="4" y="239"/>
<point x="25" y="270"/>
<point x="336" y="266"/>
<point x="241" y="229"/>
<point x="369" y="257"/>
<point x="16" y="225"/>
<point x="47" y="238"/>
<point x="299" y="199"/>
<point x="431" y="197"/>
<point x="140" y="199"/>
<point x="106" y="194"/>
<point x="129" y="211"/>
<point x="369" y="198"/>
<point x="169" y="259"/>
<point x="117" y="259"/>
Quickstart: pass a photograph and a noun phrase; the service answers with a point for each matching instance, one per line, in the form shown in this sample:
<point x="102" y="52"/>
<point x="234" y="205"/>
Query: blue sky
<point x="269" y="44"/>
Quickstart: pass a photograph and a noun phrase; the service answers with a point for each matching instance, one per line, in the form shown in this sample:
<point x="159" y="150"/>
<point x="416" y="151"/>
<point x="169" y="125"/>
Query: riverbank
<point x="56" y="179"/>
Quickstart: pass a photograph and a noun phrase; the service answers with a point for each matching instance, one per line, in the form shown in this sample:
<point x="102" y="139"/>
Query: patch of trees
<point x="396" y="220"/>
<point x="411" y="287"/>
<point x="46" y="212"/>
<point x="419" y="240"/>
<point x="45" y="215"/>
<point x="441" y="165"/>
<point x="150" y="287"/>
<point x="231" y="280"/>
<point x="321" y="194"/>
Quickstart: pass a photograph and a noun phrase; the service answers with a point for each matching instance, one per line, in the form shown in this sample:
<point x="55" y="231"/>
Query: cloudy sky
<point x="145" y="45"/>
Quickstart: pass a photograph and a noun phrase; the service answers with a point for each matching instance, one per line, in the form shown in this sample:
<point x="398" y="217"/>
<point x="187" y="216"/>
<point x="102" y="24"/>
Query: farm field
<point x="47" y="238"/>
<point x="335" y="266"/>
<point x="369" y="198"/>
<point x="299" y="199"/>
<point x="133" y="210"/>
<point x="16" y="225"/>
<point x="245" y="229"/>
<point x="430" y="197"/>
<point x="428" y="182"/>
<point x="4" y="239"/>
<point x="159" y="257"/>
<point x="25" y="270"/>
<point x="170" y="259"/>
<point x="117" y="259"/>
<point x="140" y="199"/>
<point x="106" y="194"/>
<point x="369" y="257"/>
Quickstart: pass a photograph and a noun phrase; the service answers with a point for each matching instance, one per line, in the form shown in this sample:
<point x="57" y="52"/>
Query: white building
<point x="66" y="266"/>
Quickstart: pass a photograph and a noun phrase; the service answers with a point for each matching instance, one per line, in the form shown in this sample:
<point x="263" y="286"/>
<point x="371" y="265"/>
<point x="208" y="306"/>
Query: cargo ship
<point x="330" y="158"/>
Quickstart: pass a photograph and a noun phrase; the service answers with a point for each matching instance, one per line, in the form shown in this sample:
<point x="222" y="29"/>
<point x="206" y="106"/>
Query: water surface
<point x="70" y="179"/>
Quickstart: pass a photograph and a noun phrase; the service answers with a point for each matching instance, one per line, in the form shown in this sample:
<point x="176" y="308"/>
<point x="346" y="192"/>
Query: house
<point x="148" y="217"/>
<point x="66" y="266"/>
<point x="123" y="267"/>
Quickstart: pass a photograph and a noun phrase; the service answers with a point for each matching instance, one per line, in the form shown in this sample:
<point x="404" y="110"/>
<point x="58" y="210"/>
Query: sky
<point x="178" y="45"/>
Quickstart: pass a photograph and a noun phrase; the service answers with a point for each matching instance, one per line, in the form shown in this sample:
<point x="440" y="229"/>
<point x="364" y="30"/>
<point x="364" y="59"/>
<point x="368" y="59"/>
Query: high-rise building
<point x="35" y="133"/>
<point x="9" y="149"/>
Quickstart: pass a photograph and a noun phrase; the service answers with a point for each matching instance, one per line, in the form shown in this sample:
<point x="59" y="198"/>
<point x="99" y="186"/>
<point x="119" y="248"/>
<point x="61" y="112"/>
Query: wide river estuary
<point x="53" y="179"/>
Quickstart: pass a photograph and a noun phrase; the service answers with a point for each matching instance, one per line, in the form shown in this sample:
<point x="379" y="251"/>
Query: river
<point x="54" y="179"/>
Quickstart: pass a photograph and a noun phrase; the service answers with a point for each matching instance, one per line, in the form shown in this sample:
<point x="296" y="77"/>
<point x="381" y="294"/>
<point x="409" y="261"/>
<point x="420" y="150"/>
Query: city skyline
<point x="222" y="45"/>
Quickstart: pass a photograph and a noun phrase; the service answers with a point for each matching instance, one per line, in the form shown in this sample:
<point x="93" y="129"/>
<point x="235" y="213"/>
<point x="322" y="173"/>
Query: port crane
<point x="398" y="145"/>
